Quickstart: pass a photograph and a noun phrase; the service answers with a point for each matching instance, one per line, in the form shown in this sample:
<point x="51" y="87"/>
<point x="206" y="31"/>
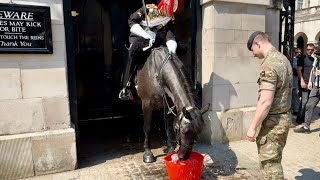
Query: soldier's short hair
<point x="257" y="36"/>
<point x="262" y="37"/>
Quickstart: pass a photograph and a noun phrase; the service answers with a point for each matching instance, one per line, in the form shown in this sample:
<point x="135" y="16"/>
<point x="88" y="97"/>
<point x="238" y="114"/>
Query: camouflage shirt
<point x="276" y="75"/>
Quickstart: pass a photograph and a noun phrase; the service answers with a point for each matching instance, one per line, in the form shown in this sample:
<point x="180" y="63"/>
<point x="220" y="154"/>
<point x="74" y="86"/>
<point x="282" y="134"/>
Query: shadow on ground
<point x="220" y="160"/>
<point x="308" y="174"/>
<point x="105" y="140"/>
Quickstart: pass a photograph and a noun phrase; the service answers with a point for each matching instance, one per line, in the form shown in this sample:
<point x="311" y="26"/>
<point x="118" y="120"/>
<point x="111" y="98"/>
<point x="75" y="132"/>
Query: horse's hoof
<point x="149" y="158"/>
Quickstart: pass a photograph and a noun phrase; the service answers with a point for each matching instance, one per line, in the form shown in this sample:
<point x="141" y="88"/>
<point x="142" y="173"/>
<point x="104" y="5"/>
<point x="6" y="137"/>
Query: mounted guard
<point x="154" y="24"/>
<point x="162" y="80"/>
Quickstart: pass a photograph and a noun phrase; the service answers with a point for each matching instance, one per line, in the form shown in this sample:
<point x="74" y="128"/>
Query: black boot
<point x="125" y="92"/>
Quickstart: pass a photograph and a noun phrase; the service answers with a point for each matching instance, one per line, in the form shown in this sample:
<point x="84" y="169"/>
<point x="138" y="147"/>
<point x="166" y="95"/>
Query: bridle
<point x="177" y="127"/>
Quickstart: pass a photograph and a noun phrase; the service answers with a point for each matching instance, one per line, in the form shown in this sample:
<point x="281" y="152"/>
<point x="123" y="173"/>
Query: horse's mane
<point x="187" y="85"/>
<point x="185" y="78"/>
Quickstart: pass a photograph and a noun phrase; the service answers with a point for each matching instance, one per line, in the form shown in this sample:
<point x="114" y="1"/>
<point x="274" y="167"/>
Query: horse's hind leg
<point x="148" y="156"/>
<point x="171" y="143"/>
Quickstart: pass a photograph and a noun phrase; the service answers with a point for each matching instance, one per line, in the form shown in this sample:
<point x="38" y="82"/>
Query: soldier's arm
<point x="268" y="83"/>
<point x="170" y="31"/>
<point x="263" y="107"/>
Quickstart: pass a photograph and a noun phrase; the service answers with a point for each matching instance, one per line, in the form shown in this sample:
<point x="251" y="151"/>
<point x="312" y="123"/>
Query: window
<point x="299" y="4"/>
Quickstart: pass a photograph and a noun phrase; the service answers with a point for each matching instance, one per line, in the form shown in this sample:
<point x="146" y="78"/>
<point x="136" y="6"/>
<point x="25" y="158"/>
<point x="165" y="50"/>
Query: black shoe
<point x="302" y="130"/>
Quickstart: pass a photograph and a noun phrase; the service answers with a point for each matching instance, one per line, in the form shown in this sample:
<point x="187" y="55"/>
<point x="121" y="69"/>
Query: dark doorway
<point x="300" y="43"/>
<point x="100" y="34"/>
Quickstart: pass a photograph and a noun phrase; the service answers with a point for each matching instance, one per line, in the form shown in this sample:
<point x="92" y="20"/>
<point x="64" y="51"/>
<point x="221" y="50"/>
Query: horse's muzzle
<point x="184" y="153"/>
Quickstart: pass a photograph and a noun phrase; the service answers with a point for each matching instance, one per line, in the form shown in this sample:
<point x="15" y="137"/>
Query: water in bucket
<point x="189" y="169"/>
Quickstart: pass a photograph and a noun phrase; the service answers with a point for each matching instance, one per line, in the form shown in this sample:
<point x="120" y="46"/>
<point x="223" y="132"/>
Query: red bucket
<point x="190" y="169"/>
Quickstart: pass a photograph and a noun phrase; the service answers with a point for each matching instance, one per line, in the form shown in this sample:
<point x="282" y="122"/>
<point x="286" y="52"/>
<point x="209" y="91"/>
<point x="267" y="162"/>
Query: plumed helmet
<point x="168" y="7"/>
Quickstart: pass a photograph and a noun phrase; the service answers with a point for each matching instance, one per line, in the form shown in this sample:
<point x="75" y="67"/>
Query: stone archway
<point x="300" y="40"/>
<point x="317" y="39"/>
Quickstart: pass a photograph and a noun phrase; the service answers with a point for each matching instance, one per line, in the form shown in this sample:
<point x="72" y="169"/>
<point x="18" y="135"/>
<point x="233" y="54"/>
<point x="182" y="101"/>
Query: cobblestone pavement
<point x="301" y="157"/>
<point x="220" y="163"/>
<point x="234" y="161"/>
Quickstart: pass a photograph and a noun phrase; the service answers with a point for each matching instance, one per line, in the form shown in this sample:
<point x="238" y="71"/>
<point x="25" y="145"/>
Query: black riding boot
<point x="124" y="93"/>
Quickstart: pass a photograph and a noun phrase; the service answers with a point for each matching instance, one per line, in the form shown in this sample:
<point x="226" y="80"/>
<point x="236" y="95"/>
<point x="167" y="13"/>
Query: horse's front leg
<point x="171" y="138"/>
<point x="147" y="109"/>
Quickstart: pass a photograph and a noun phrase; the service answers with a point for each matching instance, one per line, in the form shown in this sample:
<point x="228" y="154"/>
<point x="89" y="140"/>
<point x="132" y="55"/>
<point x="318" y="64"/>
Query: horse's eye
<point x="185" y="126"/>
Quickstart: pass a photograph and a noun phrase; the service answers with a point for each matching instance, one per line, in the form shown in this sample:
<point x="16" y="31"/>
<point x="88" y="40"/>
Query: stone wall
<point x="229" y="70"/>
<point x="36" y="136"/>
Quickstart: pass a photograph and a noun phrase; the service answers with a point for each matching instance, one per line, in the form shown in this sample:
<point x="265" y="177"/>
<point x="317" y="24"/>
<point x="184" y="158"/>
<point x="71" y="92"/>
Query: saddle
<point x="139" y="56"/>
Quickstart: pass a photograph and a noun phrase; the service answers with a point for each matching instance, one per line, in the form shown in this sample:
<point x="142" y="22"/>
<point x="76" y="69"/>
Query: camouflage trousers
<point x="270" y="142"/>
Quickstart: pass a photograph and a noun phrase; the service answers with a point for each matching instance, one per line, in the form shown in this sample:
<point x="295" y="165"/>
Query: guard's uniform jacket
<point x="163" y="26"/>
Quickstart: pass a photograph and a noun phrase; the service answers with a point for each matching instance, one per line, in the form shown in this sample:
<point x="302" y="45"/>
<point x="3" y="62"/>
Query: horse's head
<point x="191" y="124"/>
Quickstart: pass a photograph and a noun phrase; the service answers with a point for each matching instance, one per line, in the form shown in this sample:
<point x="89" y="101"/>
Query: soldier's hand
<point x="310" y="85"/>
<point x="251" y="135"/>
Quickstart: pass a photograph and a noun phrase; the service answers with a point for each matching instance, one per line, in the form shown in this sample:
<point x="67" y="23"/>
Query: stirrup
<point x="124" y="94"/>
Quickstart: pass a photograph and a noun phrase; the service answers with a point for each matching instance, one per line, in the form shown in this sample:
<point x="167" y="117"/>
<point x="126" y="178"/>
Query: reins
<point x="164" y="97"/>
<point x="160" y="80"/>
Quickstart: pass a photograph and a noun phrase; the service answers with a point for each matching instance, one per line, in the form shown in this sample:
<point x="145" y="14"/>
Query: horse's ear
<point x="205" y="109"/>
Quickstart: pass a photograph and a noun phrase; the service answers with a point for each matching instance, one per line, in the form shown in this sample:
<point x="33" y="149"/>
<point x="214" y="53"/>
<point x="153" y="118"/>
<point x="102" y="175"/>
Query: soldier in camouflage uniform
<point x="273" y="107"/>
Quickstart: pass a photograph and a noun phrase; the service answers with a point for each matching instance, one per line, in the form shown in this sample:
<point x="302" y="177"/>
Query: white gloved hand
<point x="151" y="40"/>
<point x="172" y="46"/>
<point x="137" y="30"/>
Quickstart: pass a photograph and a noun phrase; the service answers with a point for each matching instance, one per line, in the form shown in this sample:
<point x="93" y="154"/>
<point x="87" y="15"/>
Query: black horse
<point x="162" y="81"/>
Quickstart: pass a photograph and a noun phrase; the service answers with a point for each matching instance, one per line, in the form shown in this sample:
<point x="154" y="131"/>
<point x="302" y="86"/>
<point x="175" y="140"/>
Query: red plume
<point x="167" y="7"/>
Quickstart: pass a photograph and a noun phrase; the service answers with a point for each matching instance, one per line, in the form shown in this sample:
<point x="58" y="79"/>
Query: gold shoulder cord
<point x="148" y="6"/>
